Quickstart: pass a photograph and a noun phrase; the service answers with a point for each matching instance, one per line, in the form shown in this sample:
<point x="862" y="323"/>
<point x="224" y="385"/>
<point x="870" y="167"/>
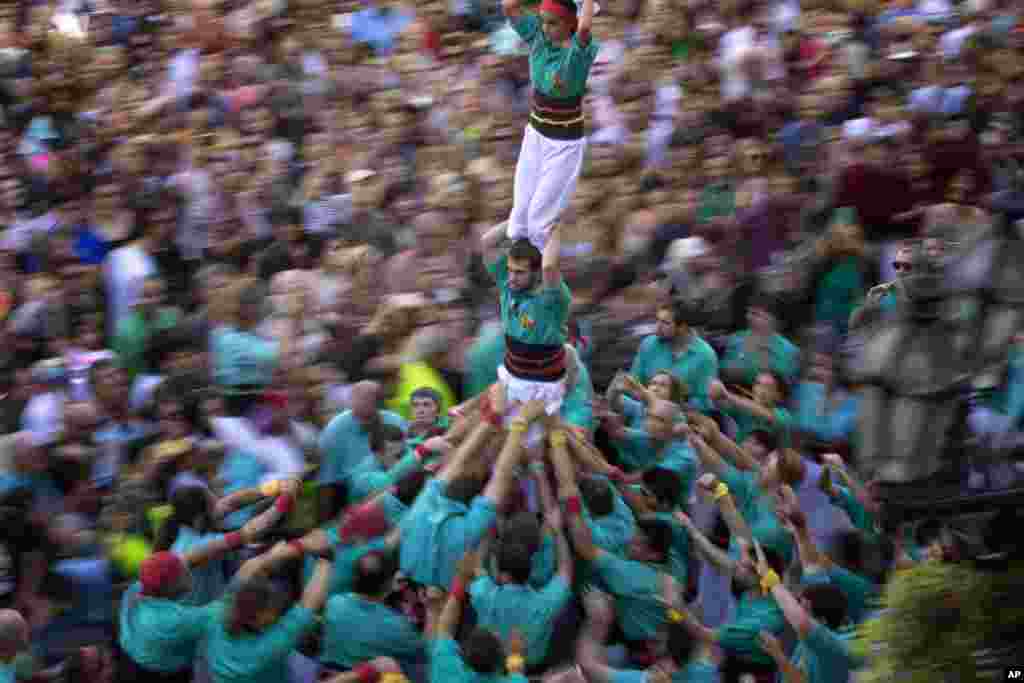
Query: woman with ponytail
<point x="159" y="628"/>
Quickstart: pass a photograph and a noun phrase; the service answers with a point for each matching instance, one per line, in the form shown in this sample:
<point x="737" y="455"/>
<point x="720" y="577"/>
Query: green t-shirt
<point x="255" y="658"/>
<point x="824" y="656"/>
<point x="696" y="365"/>
<point x="555" y="71"/>
<point x="754" y="613"/>
<point x="747" y="424"/>
<point x="539" y="316"/>
<point x="447" y="666"/>
<point x="758" y="509"/>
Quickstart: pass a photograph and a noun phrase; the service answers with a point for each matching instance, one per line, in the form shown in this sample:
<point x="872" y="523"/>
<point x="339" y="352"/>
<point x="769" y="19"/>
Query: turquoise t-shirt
<point x="162" y="635"/>
<point x="6" y="673"/>
<point x="345" y="443"/>
<point x="824" y="656"/>
<point x="243" y="359"/>
<point x="258" y="657"/>
<point x="860" y="592"/>
<point x="696" y="365"/>
<point x="343" y="569"/>
<point x="369" y="476"/>
<point x="238" y="471"/>
<point x="634" y="412"/>
<point x="747" y="424"/>
<point x="754" y="613"/>
<point x="783" y="358"/>
<point x="679" y="550"/>
<point x="613" y="531"/>
<point x="357" y="630"/>
<point x="539" y="316"/>
<point x="861" y="519"/>
<point x="437" y="531"/>
<point x="820" y="416"/>
<point x="839" y="292"/>
<point x="638" y="592"/>
<point x="447" y="666"/>
<point x="482" y="361"/>
<point x="394" y="509"/>
<point x="209" y="580"/>
<point x="578" y="405"/>
<point x="637" y="453"/>
<point x="758" y="509"/>
<point x="544" y="562"/>
<point x="555" y="71"/>
<point x="500" y="608"/>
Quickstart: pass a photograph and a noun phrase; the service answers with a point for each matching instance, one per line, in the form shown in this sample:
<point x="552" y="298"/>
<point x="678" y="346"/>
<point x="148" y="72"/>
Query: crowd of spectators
<point x="248" y="335"/>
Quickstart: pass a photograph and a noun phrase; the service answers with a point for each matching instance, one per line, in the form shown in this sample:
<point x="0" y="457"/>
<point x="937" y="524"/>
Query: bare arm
<point x="584" y="22"/>
<point x="501" y="481"/>
<point x="481" y="431"/>
<point x="705" y="548"/>
<point x="551" y="270"/>
<point x="315" y="594"/>
<point x="491" y="240"/>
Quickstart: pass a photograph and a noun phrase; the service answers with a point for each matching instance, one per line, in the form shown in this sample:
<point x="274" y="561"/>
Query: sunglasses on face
<point x="902" y="267"/>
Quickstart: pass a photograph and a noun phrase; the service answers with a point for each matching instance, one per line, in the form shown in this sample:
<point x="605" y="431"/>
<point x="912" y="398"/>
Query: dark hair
<point x="597" y="496"/>
<point x="523" y="528"/>
<point x="252" y="596"/>
<point x="374" y="573"/>
<point x="172" y="341"/>
<point x="464" y="489"/>
<point x="427" y="392"/>
<point x="515" y="559"/>
<point x="828" y="604"/>
<point x="483" y="651"/>
<point x="191" y="508"/>
<point x="410" y="486"/>
<point x="658" y="534"/>
<point x="928" y="532"/>
<point x="769" y="440"/>
<point x="681" y="645"/>
<point x="664" y="484"/>
<point x="523" y="250"/>
<point x="384" y="434"/>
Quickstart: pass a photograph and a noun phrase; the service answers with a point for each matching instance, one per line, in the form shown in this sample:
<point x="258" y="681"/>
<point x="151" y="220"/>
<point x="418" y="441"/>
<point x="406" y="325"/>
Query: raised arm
<point x="315" y="594"/>
<point x="718" y="493"/>
<point x="490" y="241"/>
<point x="501" y="481"/>
<point x="722" y="444"/>
<point x="554" y="522"/>
<point x="252" y="530"/>
<point x="727" y="398"/>
<point x="708" y="551"/>
<point x="480" y="432"/>
<point x="584" y="23"/>
<point x="552" y="255"/>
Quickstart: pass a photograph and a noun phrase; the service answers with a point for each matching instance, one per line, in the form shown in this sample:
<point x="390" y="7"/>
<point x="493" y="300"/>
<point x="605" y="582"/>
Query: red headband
<point x="557" y="8"/>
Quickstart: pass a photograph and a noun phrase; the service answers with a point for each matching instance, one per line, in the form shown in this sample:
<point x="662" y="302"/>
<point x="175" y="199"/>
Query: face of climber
<point x="521" y="275"/>
<point x="556" y="28"/>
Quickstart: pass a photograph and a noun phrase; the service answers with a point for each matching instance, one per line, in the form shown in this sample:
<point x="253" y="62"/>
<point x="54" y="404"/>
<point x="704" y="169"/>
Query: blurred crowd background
<point x="220" y="219"/>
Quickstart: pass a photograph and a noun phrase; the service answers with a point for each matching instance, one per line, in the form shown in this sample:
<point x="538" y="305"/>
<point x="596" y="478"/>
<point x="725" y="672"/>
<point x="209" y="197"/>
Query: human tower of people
<point x="501" y="542"/>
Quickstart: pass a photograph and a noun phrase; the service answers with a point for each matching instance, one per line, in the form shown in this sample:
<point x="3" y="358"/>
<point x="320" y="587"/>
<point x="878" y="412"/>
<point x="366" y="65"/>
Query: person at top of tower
<point x="561" y="54"/>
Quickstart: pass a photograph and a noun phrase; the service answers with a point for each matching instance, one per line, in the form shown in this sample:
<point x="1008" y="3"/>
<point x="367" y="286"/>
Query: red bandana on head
<point x="561" y="11"/>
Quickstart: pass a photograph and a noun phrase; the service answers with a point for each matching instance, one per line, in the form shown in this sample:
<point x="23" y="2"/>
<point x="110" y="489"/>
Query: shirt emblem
<point x="526" y="322"/>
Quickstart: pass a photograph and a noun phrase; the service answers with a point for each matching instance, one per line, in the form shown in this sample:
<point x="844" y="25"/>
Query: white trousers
<point x="546" y="177"/>
<point x="521" y="391"/>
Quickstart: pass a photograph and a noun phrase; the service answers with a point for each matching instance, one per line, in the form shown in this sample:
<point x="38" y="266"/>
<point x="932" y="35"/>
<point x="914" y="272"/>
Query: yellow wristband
<point x="559" y="438"/>
<point x="270" y="488"/>
<point x="515" y="663"/>
<point x="769" y="581"/>
<point x="721" y="491"/>
<point x="519" y="425"/>
<point x="675" y="616"/>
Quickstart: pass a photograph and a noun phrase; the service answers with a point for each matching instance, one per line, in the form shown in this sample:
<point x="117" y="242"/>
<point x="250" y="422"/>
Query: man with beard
<point x="676" y="347"/>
